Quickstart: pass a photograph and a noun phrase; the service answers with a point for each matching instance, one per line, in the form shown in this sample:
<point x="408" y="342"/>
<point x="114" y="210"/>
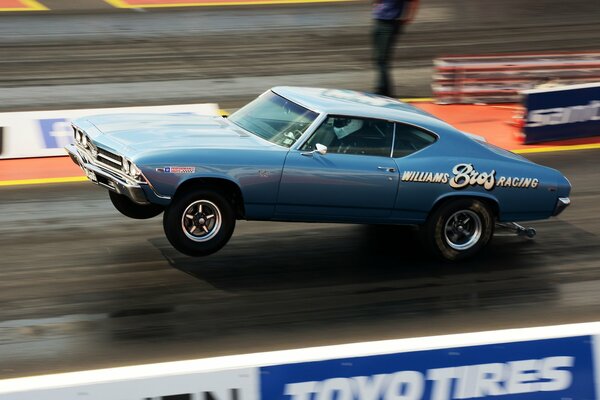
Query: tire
<point x="133" y="210"/>
<point x="458" y="229"/>
<point x="199" y="223"/>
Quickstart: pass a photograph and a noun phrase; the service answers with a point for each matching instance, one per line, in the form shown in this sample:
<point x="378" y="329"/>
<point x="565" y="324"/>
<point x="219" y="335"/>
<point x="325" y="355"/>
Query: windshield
<point x="274" y="118"/>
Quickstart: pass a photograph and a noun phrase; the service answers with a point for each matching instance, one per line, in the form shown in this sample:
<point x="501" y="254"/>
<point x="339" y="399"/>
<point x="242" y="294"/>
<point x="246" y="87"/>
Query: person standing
<point x="389" y="17"/>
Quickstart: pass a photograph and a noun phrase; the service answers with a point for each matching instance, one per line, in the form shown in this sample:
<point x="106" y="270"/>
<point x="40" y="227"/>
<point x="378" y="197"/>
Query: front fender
<point x="257" y="173"/>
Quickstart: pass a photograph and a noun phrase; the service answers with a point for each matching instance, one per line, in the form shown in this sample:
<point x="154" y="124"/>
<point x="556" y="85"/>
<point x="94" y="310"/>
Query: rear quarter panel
<point x="521" y="189"/>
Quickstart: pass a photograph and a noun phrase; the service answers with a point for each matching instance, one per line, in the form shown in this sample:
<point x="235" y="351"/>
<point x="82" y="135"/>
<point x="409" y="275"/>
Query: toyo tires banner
<point x="542" y="369"/>
<point x="45" y="133"/>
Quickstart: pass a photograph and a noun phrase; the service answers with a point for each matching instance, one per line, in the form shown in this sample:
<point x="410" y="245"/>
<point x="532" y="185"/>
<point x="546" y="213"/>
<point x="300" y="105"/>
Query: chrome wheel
<point x="201" y="221"/>
<point x="463" y="230"/>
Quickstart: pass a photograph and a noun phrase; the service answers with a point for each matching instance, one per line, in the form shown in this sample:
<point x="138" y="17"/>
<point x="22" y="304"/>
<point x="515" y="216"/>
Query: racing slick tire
<point x="199" y="222"/>
<point x="458" y="229"/>
<point x="132" y="210"/>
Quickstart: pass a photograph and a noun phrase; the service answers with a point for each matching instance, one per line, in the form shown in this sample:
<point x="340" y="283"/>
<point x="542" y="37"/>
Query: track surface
<point x="83" y="287"/>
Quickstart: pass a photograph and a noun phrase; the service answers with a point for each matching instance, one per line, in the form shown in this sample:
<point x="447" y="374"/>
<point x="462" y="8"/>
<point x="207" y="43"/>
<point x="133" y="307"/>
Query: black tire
<point x="458" y="229"/>
<point x="199" y="231"/>
<point x="133" y="210"/>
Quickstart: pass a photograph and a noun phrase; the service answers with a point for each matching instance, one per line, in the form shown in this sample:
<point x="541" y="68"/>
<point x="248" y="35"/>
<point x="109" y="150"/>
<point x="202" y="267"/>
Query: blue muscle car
<point x="314" y="155"/>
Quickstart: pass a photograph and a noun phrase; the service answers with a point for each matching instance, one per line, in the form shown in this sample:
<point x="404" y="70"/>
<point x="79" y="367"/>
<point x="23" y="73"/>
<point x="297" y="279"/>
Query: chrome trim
<point x="296" y="101"/>
<point x="393" y="140"/>
<point x="90" y="159"/>
<point x="110" y="180"/>
<point x="309" y="131"/>
<point x="561" y="204"/>
<point x="110" y="159"/>
<point x="432" y="133"/>
<point x="151" y="186"/>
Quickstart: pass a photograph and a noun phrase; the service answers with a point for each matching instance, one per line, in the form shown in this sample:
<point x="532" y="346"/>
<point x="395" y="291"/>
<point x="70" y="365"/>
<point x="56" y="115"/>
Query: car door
<point x="355" y="180"/>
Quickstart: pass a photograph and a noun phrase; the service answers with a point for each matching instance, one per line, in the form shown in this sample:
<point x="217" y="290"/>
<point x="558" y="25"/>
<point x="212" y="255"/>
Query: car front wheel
<point x="199" y="223"/>
<point x="459" y="228"/>
<point x="133" y="210"/>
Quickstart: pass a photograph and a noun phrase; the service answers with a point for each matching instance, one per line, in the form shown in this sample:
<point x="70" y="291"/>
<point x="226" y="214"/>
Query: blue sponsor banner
<point x="562" y="113"/>
<point x="541" y="369"/>
<point x="57" y="132"/>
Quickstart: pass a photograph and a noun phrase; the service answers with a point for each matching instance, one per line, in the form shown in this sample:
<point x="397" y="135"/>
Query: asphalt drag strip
<point x="83" y="287"/>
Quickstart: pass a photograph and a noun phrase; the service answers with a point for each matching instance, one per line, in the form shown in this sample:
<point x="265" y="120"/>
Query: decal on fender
<point x="177" y="170"/>
<point x="466" y="175"/>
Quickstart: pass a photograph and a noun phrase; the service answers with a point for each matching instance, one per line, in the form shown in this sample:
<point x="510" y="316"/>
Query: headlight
<point x="84" y="141"/>
<point x="126" y="165"/>
<point x="134" y="171"/>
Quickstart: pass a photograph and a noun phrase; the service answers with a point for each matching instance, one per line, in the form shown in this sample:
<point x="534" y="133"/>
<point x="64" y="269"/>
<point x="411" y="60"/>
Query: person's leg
<point x="395" y="29"/>
<point x="383" y="42"/>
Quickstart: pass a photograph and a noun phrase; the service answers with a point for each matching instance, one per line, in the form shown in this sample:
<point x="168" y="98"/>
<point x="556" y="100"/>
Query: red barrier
<point x="198" y="3"/>
<point x="500" y="78"/>
<point x="21" y="5"/>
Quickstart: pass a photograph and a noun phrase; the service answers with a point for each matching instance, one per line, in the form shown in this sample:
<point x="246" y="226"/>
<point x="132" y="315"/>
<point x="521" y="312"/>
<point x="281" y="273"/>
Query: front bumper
<point x="107" y="179"/>
<point x="561" y="204"/>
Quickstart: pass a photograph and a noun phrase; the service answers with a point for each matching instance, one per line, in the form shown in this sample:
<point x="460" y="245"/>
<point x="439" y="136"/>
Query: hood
<point x="135" y="133"/>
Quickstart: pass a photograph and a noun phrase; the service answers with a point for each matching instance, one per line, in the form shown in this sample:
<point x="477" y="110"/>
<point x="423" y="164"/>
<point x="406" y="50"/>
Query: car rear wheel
<point x="133" y="210"/>
<point x="458" y="229"/>
<point x="199" y="223"/>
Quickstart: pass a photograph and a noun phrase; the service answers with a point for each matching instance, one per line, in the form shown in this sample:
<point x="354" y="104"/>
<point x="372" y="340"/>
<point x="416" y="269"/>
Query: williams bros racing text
<point x="466" y="382"/>
<point x="466" y="175"/>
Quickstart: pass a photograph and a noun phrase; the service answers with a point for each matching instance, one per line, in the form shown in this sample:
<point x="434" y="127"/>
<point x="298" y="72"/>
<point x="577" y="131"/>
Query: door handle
<point x="387" y="169"/>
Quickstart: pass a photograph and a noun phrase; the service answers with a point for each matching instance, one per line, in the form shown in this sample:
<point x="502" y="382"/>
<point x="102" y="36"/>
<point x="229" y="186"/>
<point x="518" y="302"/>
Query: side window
<point x="348" y="135"/>
<point x="410" y="139"/>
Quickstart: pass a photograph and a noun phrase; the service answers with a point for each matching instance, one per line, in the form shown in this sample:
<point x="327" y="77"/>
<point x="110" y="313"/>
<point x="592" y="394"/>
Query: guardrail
<point x="499" y="78"/>
<point x="45" y="133"/>
<point x="555" y="362"/>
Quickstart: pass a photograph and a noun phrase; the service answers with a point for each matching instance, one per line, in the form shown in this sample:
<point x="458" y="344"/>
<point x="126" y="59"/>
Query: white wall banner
<point x="137" y="383"/>
<point x="45" y="133"/>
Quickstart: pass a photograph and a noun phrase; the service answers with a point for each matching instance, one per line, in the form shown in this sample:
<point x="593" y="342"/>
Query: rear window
<point x="409" y="139"/>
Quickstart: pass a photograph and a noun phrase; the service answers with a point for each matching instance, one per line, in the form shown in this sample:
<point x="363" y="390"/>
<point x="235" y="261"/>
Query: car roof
<point x="352" y="103"/>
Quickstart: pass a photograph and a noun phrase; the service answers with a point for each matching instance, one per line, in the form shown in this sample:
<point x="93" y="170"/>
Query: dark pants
<point x="385" y="34"/>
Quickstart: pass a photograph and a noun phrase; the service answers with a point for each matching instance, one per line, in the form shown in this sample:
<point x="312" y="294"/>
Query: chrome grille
<point x="100" y="155"/>
<point x="107" y="158"/>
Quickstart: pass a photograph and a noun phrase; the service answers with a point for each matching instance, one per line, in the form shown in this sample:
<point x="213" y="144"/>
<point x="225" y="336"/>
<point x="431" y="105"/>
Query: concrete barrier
<point x="552" y="362"/>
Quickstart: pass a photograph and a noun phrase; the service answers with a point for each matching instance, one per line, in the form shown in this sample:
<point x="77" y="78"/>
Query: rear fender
<point x="486" y="198"/>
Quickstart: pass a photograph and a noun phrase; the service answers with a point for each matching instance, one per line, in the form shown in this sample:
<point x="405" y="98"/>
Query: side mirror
<point x="320" y="148"/>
